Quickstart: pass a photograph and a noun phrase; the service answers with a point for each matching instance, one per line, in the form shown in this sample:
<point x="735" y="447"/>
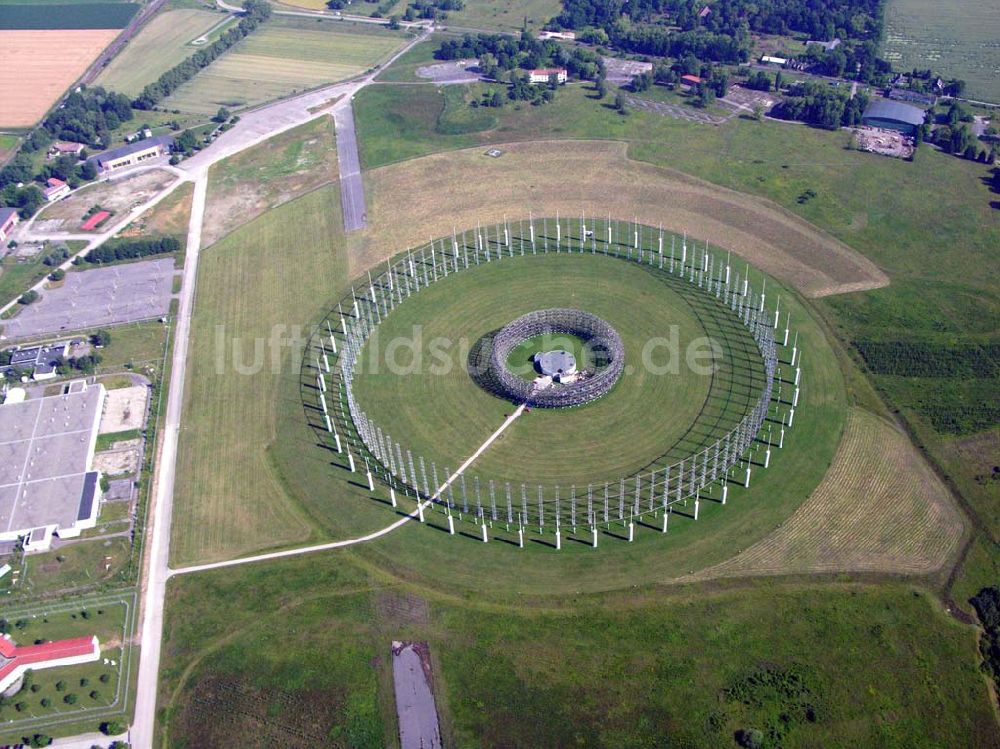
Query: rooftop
<point x="136" y="147"/>
<point x="46" y="447"/>
<point x="6" y="213"/>
<point x="881" y="109"/>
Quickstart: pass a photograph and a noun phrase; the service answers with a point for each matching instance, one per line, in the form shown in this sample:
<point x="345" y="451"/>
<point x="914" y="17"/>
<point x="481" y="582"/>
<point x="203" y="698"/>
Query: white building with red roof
<point x="15" y="660"/>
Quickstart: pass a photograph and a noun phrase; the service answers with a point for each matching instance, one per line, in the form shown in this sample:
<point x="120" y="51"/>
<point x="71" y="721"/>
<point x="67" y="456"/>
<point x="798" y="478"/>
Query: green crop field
<point x="162" y="43"/>
<point x="282" y="57"/>
<point x="957" y="39"/>
<point x="100" y="15"/>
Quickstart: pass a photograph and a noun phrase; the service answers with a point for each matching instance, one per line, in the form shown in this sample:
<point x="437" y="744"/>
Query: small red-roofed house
<point x="15" y="660"/>
<point x="690" y="81"/>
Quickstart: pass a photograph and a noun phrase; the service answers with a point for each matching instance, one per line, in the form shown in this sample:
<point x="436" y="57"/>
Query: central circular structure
<point x="560" y="385"/>
<point x="559" y="365"/>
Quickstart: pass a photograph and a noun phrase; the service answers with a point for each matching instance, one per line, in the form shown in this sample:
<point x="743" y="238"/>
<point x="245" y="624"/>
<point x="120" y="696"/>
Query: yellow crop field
<point x="40" y="65"/>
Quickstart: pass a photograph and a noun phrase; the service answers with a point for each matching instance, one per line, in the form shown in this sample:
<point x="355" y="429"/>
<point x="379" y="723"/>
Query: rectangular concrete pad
<point x="103" y="296"/>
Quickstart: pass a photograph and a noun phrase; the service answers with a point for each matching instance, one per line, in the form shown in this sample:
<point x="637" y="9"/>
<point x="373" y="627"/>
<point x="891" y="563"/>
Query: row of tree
<point x="497" y="53"/>
<point x="822" y="105"/>
<point x="130" y="249"/>
<point x="255" y="11"/>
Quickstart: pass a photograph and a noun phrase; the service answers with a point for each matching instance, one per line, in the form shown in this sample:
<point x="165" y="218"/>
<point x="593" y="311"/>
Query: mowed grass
<point x="879" y="666"/>
<point x="957" y="40"/>
<point x="661" y="410"/>
<point x="504" y="15"/>
<point x="254" y="287"/>
<point x="161" y="44"/>
<point x="283" y="57"/>
<point x="596" y="178"/>
<point x="879" y="508"/>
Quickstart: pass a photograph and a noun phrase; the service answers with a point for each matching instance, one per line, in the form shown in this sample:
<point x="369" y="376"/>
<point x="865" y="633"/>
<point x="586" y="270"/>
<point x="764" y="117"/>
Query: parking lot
<point x="92" y="298"/>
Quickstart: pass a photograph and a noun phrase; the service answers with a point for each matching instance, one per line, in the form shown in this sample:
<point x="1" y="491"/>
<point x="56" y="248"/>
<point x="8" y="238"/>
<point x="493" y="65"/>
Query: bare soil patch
<point x="410" y="202"/>
<point x="124" y="409"/>
<point x="40" y="65"/>
<point x="878" y="509"/>
<point x="117" y="195"/>
<point x="263" y="177"/>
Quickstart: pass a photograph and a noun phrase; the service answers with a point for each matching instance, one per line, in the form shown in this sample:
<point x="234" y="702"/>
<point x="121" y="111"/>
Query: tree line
<point x="255" y="11"/>
<point x="130" y="249"/>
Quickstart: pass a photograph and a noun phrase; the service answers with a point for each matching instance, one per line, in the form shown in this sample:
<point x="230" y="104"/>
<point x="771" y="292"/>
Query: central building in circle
<point x="559" y="365"/>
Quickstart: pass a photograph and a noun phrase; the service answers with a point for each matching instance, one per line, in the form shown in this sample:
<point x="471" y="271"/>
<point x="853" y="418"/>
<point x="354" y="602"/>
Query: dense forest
<point x="674" y="28"/>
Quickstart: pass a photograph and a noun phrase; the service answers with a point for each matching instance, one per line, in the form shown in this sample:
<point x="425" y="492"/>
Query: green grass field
<point x="162" y="43"/>
<point x="282" y="57"/>
<point x="957" y="40"/>
<point x="238" y="503"/>
<point x="878" y="666"/>
<point x="504" y="15"/>
<point x="71" y="15"/>
<point x="426" y="399"/>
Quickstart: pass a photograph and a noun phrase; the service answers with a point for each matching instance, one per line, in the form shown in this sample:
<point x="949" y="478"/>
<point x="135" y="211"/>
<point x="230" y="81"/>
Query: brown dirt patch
<point x="879" y="508"/>
<point x="401" y="609"/>
<point x="411" y="202"/>
<point x="40" y="65"/>
<point x="119" y="196"/>
<point x="274" y="172"/>
<point x="169" y="217"/>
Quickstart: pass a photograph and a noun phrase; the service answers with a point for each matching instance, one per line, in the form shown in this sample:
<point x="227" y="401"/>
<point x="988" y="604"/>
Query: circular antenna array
<point x="601" y="342"/>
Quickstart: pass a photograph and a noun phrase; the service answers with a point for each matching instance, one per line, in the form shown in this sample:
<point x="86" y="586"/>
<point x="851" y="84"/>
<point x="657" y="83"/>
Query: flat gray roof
<point x="880" y="109"/>
<point x="46" y="446"/>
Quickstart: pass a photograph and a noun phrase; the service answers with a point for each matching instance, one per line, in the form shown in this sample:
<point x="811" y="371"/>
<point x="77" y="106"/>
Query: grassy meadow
<point x="652" y="667"/>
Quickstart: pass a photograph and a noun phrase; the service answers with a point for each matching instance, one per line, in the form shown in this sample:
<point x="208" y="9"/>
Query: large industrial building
<point x="893" y="115"/>
<point x="47" y="447"/>
<point x="133" y="153"/>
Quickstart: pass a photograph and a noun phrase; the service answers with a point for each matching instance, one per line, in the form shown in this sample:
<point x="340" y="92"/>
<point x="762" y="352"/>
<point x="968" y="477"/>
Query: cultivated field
<point x="282" y="168"/>
<point x="602" y="180"/>
<point x="282" y="57"/>
<point x="31" y="82"/>
<point x="162" y="43"/>
<point x="879" y="509"/>
<point x="957" y="39"/>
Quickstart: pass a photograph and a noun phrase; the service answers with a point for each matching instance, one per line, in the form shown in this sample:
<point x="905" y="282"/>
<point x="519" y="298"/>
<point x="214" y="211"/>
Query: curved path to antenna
<point x="362" y="539"/>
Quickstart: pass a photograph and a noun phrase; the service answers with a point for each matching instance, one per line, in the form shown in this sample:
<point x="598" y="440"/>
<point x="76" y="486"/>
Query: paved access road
<point x="352" y="188"/>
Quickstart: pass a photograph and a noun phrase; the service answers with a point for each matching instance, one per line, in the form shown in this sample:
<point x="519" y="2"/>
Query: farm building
<point x="47" y="486"/>
<point x="133" y="153"/>
<point x="8" y="220"/>
<point x="690" y="81"/>
<point x="65" y="148"/>
<point x="770" y="60"/>
<point x="55" y="189"/>
<point x="542" y="75"/>
<point x="15" y="659"/>
<point x="892" y="115"/>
